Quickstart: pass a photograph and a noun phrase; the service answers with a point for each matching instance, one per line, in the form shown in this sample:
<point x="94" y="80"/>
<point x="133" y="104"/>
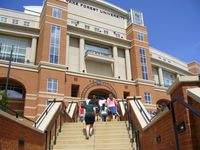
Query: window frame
<point x="15" y="20"/>
<point x="143" y="61"/>
<point x="53" y="54"/>
<point x="3" y="19"/>
<point x="26" y="23"/>
<point x="57" y="12"/>
<point x="147" y="98"/>
<point x="51" y="89"/>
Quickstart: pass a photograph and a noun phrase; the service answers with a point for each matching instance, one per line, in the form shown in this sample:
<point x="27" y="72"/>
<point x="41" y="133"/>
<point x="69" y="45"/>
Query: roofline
<point x="168" y="55"/>
<point x="17" y="11"/>
<point x="102" y="2"/>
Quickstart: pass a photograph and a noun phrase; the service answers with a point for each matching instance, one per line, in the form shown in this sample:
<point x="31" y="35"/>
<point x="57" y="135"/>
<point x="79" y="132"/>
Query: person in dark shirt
<point x="95" y="102"/>
<point x="89" y="118"/>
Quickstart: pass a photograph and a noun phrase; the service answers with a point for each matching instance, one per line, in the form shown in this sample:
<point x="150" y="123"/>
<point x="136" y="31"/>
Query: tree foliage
<point x="4" y="100"/>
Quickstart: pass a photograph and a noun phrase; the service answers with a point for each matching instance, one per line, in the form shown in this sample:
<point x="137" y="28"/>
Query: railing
<point x="131" y="126"/>
<point x="187" y="106"/>
<point x="93" y="52"/>
<point x="44" y="114"/>
<point x="17" y="114"/>
<point x="75" y="115"/>
<point x="60" y="116"/>
<point x="145" y="116"/>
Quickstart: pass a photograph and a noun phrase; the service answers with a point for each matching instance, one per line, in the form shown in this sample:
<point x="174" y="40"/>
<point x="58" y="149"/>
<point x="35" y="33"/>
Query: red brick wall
<point x="195" y="125"/>
<point x="11" y="132"/>
<point x="188" y="139"/>
<point x="162" y="128"/>
<point x="135" y="52"/>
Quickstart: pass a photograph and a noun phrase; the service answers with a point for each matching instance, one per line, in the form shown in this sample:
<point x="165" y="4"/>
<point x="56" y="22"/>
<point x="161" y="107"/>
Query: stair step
<point x="107" y="136"/>
<point x="83" y="141"/>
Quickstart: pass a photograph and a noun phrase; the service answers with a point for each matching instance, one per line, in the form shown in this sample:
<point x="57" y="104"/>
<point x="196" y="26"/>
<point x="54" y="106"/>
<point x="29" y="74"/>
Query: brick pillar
<point x="46" y="22"/>
<point x="136" y="44"/>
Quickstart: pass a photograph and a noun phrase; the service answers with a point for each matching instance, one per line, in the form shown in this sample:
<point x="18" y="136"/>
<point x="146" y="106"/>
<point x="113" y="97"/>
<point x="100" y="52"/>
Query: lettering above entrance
<point x="97" y="84"/>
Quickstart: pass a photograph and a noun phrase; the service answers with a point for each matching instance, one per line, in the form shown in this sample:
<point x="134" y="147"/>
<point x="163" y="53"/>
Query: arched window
<point x="15" y="91"/>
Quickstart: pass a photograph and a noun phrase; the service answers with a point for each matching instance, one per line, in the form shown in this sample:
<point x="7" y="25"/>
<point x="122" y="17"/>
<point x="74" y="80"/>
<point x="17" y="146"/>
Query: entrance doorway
<point x="99" y="93"/>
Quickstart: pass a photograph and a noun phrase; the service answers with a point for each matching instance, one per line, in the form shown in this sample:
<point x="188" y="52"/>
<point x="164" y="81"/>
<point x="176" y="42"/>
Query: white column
<point x="160" y="74"/>
<point x="33" y="50"/>
<point x="115" y="56"/>
<point x="128" y="64"/>
<point x="67" y="51"/>
<point x="82" y="55"/>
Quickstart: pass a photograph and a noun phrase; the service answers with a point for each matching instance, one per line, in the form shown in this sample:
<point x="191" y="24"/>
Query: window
<point x="97" y="29"/>
<point x="56" y="12"/>
<point x="98" y="50"/>
<point x="169" y="78"/>
<point x="54" y="44"/>
<point x="14" y="91"/>
<point x="52" y="85"/>
<point x="135" y="17"/>
<point x="147" y="98"/>
<point x="74" y="22"/>
<point x="117" y="35"/>
<point x="3" y="19"/>
<point x="126" y="94"/>
<point x="143" y="62"/>
<point x="87" y="27"/>
<point x="105" y="32"/>
<point x="74" y="90"/>
<point x="15" y="21"/>
<point x="26" y="23"/>
<point x="20" y="46"/>
<point x="140" y="36"/>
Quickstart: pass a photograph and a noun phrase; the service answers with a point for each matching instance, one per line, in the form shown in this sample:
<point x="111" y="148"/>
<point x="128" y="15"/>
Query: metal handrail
<point x="17" y="114"/>
<point x="60" y="114"/>
<point x="131" y="126"/>
<point x="147" y="120"/>
<point x="45" y="113"/>
<point x="186" y="105"/>
<point x="70" y="106"/>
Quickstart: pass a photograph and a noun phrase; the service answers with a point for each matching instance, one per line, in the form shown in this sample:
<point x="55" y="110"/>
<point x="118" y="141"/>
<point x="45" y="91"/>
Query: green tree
<point x="4" y="100"/>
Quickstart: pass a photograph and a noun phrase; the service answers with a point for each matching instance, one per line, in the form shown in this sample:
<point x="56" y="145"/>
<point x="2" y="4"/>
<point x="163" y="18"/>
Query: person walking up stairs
<point x="107" y="136"/>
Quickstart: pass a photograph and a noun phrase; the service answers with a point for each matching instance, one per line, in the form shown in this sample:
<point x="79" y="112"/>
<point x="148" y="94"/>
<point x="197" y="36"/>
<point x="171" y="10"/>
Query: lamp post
<point x="9" y="66"/>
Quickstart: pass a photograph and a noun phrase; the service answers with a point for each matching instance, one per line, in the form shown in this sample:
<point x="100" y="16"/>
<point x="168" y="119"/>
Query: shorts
<point x="82" y="117"/>
<point x="97" y="110"/>
<point x="113" y="110"/>
<point x="89" y="119"/>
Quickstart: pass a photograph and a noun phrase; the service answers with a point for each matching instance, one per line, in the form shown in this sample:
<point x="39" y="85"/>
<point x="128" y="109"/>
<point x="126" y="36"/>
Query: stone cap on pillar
<point x="182" y="79"/>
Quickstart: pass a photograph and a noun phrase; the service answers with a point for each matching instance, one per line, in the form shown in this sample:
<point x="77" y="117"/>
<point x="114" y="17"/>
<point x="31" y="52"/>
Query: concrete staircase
<point x="107" y="136"/>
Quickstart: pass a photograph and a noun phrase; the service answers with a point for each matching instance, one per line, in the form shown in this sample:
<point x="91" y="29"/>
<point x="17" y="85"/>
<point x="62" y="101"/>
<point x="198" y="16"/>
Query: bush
<point x="4" y="100"/>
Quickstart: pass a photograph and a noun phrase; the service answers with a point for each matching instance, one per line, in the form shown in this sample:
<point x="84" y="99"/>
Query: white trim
<point x="55" y="24"/>
<point x="23" y="33"/>
<point x="194" y="94"/>
<point x="111" y="6"/>
<point x="117" y="43"/>
<point x="56" y="6"/>
<point x="30" y="107"/>
<point x="56" y="18"/>
<point x="182" y="79"/>
<point x="136" y="30"/>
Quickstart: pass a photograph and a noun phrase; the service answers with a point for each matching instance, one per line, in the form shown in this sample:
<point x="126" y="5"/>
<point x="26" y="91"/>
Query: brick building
<point x="71" y="49"/>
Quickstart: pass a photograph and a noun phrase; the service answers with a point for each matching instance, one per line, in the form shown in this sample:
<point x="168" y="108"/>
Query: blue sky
<point x="173" y="25"/>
